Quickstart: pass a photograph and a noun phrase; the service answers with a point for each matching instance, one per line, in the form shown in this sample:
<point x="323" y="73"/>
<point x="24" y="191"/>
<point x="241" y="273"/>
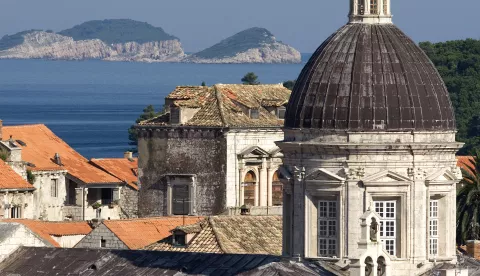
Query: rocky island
<point x="129" y="40"/>
<point x="115" y="40"/>
<point x="254" y="45"/>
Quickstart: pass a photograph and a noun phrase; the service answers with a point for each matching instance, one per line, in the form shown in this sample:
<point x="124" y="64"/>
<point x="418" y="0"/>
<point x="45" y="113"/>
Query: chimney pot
<point x="128" y="155"/>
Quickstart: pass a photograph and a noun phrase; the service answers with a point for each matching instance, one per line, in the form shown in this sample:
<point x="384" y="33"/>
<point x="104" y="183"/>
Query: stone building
<point x="14" y="235"/>
<point x="133" y="234"/>
<point x="213" y="148"/>
<point x="66" y="185"/>
<point x="16" y="194"/>
<point x="369" y="153"/>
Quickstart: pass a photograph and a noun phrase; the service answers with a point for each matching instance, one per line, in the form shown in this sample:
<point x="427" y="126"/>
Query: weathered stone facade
<point x="94" y="239"/>
<point x="14" y="235"/>
<point x="196" y="152"/>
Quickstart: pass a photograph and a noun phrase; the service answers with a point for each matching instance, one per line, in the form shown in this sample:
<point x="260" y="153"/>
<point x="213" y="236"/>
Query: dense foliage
<point x="250" y="79"/>
<point x="459" y="65"/>
<point x="30" y="177"/>
<point x="238" y="43"/>
<point x="468" y="202"/>
<point x="148" y="113"/>
<point x="10" y="41"/>
<point x="117" y="31"/>
<point x="289" y="84"/>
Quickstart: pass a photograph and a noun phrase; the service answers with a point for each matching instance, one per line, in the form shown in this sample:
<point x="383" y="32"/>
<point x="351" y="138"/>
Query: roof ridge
<point x="216" y="234"/>
<point x="23" y="126"/>
<point x="220" y="105"/>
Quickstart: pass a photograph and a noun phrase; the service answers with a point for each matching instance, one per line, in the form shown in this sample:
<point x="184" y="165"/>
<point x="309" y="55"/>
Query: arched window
<point x="382" y="266"/>
<point x="373" y="6"/>
<point x="249" y="183"/>
<point x="368" y="266"/>
<point x="277" y="190"/>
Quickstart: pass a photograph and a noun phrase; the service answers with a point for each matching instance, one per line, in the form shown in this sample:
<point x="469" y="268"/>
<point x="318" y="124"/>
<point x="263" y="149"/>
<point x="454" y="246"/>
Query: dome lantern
<point x="370" y="11"/>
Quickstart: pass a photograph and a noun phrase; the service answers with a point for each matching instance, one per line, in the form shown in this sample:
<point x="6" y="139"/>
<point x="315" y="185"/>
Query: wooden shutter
<point x="181" y="200"/>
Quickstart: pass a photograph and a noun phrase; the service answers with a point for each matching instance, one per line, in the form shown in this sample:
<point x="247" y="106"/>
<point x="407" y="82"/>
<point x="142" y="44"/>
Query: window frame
<point x="328" y="228"/>
<point x="54" y="187"/>
<point x="433" y="230"/>
<point x="388" y="224"/>
<point x="177" y="181"/>
<point x="254" y="113"/>
<point x="281" y="110"/>
<point x="374" y="7"/>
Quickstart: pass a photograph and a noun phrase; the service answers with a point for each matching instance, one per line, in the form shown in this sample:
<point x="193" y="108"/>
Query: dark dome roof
<point x="370" y="77"/>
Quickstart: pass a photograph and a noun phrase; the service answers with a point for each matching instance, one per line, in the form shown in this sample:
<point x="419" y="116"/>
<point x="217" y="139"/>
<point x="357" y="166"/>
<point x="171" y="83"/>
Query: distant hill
<point x="112" y="31"/>
<point x="254" y="45"/>
<point x="10" y="41"/>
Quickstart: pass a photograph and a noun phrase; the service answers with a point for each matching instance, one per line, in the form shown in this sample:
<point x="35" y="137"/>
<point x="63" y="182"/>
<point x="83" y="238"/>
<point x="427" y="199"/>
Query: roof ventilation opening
<point x="57" y="159"/>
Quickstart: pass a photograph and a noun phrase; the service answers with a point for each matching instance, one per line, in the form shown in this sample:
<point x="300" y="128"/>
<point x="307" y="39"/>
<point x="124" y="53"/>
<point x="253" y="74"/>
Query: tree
<point x="468" y="201"/>
<point x="250" y="79"/>
<point x="148" y="113"/>
<point x="289" y="84"/>
<point x="204" y="84"/>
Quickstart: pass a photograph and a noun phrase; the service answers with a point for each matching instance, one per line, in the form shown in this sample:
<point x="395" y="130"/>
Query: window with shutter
<point x="174" y="115"/>
<point x="327" y="228"/>
<point x="180" y="200"/>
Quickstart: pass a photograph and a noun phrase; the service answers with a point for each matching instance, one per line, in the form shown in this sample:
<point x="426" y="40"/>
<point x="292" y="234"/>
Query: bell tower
<point x="370" y="11"/>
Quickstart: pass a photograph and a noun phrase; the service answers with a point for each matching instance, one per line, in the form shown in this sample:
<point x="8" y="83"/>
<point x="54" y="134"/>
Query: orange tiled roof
<point x="41" y="146"/>
<point x="45" y="229"/>
<point x="9" y="179"/>
<point x="122" y="168"/>
<point x="138" y="233"/>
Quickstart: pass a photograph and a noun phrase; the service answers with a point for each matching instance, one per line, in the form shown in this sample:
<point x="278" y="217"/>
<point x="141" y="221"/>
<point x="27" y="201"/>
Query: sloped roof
<point x="122" y="168"/>
<point x="9" y="179"/>
<point x="65" y="261"/>
<point x="138" y="233"/>
<point x="227" y="105"/>
<point x="234" y="235"/>
<point x="46" y="229"/>
<point x="41" y="146"/>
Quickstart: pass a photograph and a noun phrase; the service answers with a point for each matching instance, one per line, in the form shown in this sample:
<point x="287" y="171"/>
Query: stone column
<point x="298" y="215"/>
<point x="169" y="197"/>
<point x="263" y="181"/>
<point x="270" y="173"/>
<point x="241" y="188"/>
<point x="380" y="7"/>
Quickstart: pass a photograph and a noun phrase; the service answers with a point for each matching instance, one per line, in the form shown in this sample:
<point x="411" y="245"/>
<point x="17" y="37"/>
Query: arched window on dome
<point x="373" y="6"/>
<point x="249" y="183"/>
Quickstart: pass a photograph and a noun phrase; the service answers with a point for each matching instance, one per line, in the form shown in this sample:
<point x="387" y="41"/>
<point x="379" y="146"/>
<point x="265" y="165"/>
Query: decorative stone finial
<point x="370" y="11"/>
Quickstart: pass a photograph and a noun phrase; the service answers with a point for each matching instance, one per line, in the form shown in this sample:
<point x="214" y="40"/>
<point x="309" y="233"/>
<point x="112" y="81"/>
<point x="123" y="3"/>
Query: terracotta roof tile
<point x="9" y="179"/>
<point x="138" y="233"/>
<point x="45" y="229"/>
<point x="232" y="234"/>
<point x="41" y="146"/>
<point x="122" y="168"/>
<point x="227" y="105"/>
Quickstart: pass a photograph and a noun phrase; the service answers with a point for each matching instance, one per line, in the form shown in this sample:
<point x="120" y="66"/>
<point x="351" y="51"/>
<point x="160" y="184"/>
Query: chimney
<point x="57" y="159"/>
<point x="1" y="125"/>
<point x="128" y="155"/>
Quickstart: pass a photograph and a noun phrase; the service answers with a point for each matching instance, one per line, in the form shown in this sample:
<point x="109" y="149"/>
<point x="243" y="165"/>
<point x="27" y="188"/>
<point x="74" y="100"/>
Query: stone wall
<point x="93" y="240"/>
<point x="24" y="200"/>
<point x="128" y="203"/>
<point x="48" y="207"/>
<point x="73" y="212"/>
<point x="256" y="211"/>
<point x="201" y="152"/>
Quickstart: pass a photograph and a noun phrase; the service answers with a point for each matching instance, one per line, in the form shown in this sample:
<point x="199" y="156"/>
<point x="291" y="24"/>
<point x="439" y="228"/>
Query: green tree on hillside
<point x="148" y="113"/>
<point x="468" y="202"/>
<point x="289" y="84"/>
<point x="250" y="79"/>
<point x="459" y="65"/>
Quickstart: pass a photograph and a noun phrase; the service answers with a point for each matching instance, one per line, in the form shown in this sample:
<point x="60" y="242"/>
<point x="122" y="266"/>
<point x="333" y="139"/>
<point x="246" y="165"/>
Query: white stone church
<point x="369" y="153"/>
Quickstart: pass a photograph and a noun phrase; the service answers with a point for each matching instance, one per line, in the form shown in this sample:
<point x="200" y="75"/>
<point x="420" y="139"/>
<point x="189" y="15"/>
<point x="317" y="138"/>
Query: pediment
<point x="254" y="152"/>
<point x="277" y="152"/>
<point x="324" y="175"/>
<point x="386" y="177"/>
<point x="442" y="176"/>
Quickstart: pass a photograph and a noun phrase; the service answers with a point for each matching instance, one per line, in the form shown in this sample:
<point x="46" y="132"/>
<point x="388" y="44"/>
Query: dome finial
<point x="370" y="11"/>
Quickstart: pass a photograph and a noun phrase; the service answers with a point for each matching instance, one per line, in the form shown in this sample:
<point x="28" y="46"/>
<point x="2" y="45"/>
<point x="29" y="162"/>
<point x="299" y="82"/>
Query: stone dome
<point x="370" y="77"/>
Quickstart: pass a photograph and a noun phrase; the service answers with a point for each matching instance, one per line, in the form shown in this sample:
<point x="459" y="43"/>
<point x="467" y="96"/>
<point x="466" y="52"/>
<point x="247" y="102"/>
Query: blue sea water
<point x="91" y="104"/>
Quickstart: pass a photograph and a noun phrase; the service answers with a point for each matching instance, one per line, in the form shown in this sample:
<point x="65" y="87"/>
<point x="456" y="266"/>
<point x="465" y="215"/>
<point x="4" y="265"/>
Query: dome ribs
<point x="370" y="77"/>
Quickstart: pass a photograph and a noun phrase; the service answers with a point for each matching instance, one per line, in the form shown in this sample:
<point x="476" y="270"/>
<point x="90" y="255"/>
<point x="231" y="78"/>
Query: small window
<point x="281" y="113"/>
<point x="181" y="200"/>
<point x="15" y="212"/>
<point x="327" y="228"/>
<point x="373" y="6"/>
<point x="254" y="113"/>
<point x="433" y="227"/>
<point x="54" y="188"/>
<point x="179" y="240"/>
<point x="174" y="115"/>
<point x="103" y="243"/>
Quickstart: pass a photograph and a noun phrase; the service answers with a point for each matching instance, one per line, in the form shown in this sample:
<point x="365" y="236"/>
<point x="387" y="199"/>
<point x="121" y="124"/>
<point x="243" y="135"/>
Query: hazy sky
<point x="303" y="24"/>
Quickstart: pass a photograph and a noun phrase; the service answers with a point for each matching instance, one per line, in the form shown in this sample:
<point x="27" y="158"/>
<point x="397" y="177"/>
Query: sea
<point x="91" y="104"/>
